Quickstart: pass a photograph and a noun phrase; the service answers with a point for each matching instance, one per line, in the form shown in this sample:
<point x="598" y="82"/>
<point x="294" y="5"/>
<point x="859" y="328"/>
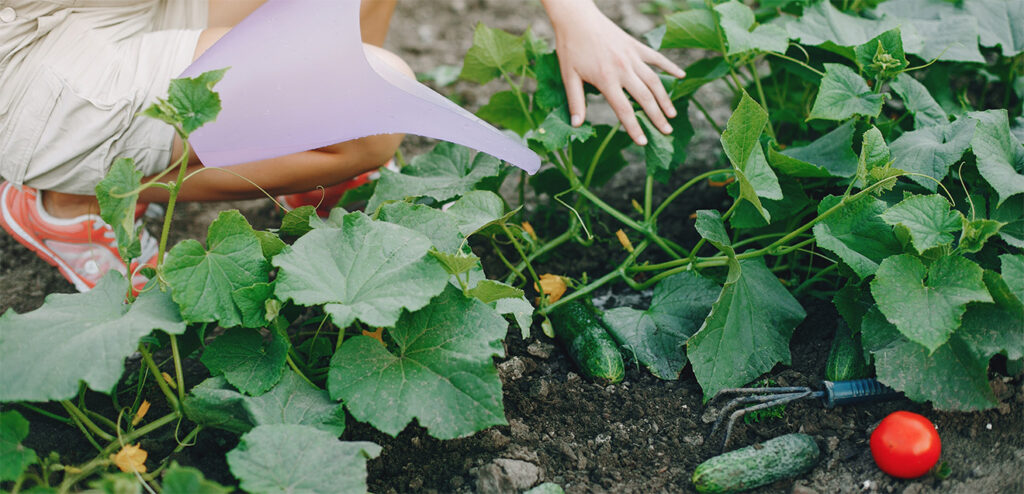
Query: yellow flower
<point x="169" y="380"/>
<point x="624" y="240"/>
<point x="143" y="409"/>
<point x="551" y="285"/>
<point x="529" y="230"/>
<point x="131" y="458"/>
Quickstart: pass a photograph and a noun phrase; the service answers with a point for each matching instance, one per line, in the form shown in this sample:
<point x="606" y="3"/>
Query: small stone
<point x="494" y="440"/>
<point x="416" y="483"/>
<point x="988" y="426"/>
<point x="540" y="389"/>
<point x="511" y="369"/>
<point x="519" y="430"/>
<point x="1004" y="409"/>
<point x="572" y="378"/>
<point x="540" y="349"/>
<point x="694" y="440"/>
<point x="831" y="444"/>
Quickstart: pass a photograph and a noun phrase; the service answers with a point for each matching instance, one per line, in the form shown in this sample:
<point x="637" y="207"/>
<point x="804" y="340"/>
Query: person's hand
<point x="591" y="48"/>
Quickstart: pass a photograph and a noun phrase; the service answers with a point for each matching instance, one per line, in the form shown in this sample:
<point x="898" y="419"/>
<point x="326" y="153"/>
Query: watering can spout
<point x="300" y="79"/>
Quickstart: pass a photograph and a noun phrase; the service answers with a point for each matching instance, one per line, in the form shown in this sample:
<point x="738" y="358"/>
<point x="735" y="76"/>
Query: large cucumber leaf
<point x="656" y="337"/>
<point x="843" y="94"/>
<point x="14" y="457"/>
<point x="209" y="283"/>
<point x="741" y="142"/>
<point x="1000" y="154"/>
<point x="272" y="459"/>
<point x="440" y="370"/>
<point x="366" y="270"/>
<point x="932" y="150"/>
<point x="247" y="360"/>
<point x="747" y="331"/>
<point x="857" y="233"/>
<point x="928" y="220"/>
<point x="46" y="353"/>
<point x="447" y="171"/>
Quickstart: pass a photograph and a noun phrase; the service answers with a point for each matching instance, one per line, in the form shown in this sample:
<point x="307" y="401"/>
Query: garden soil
<point x="642" y="435"/>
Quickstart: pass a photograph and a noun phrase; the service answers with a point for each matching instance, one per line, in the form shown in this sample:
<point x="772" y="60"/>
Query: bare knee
<point x="376" y="54"/>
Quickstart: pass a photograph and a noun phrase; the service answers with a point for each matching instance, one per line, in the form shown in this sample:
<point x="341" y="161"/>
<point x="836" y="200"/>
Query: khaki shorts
<point x="81" y="73"/>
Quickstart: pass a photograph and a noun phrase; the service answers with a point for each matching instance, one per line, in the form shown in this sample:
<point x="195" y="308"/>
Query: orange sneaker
<point x="324" y="200"/>
<point x="83" y="248"/>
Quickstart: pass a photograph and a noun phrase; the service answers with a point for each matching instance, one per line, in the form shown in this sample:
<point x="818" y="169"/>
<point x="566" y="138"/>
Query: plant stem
<point x="147" y="357"/>
<point x="791" y="59"/>
<point x="693" y="181"/>
<point x="44" y="413"/>
<point x="599" y="153"/>
<point x="543" y="249"/>
<point x="760" y="94"/>
<point x="707" y="116"/>
<point x="648" y="197"/>
<point x="619" y="272"/>
<point x="817" y="276"/>
<point x="516" y="270"/>
<point x="179" y="377"/>
<point x="81" y="418"/>
<point x="291" y="363"/>
<point x="519" y="249"/>
<point x="172" y="198"/>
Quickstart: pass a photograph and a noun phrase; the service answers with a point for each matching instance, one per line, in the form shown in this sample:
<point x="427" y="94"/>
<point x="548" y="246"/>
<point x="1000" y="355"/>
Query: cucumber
<point x="845" y="359"/>
<point x="757" y="465"/>
<point x="578" y="327"/>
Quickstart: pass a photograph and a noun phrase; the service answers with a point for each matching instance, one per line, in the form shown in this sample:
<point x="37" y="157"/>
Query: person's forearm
<point x="561" y="11"/>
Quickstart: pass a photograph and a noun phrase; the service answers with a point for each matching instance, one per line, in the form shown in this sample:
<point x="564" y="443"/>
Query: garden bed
<point x="641" y="435"/>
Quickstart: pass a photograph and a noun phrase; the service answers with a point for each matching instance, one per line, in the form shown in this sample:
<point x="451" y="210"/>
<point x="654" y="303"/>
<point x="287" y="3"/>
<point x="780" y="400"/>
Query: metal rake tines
<point x="763" y="397"/>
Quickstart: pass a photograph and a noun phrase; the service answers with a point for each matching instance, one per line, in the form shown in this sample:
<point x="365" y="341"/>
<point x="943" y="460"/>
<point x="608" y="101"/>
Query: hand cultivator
<point x="833" y="393"/>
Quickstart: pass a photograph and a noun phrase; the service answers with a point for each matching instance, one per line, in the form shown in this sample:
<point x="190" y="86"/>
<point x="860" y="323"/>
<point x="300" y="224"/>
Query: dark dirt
<point x="642" y="435"/>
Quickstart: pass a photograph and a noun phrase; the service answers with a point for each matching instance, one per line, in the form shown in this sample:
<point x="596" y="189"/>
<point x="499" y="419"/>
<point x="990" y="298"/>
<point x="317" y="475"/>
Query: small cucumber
<point x="757" y="465"/>
<point x="845" y="359"/>
<point x="587" y="342"/>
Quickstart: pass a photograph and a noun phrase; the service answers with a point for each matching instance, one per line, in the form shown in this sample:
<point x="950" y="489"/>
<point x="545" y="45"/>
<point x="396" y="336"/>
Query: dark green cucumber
<point x="587" y="342"/>
<point x="757" y="465"/>
<point x="845" y="359"/>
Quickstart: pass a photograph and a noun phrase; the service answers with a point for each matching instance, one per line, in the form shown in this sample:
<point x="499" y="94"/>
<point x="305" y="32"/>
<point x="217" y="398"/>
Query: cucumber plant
<point x="875" y="161"/>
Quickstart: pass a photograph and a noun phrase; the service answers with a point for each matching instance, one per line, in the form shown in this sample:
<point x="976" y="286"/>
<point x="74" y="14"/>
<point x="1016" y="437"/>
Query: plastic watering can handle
<point x="299" y="80"/>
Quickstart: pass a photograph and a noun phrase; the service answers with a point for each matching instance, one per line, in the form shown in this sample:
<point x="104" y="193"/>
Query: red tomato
<point x="905" y="445"/>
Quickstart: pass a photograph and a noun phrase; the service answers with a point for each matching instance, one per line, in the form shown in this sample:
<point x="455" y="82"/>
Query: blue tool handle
<point x="856" y="391"/>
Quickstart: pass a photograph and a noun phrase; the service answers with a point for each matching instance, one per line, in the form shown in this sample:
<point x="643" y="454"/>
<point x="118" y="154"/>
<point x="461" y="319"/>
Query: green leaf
<point x="194" y="100"/>
<point x="919" y="102"/>
<point x="520" y="309"/>
<point x="555" y="133"/>
<point x="852" y="302"/>
<point x="659" y="150"/>
<point x="116" y="483"/>
<point x="188" y="480"/>
<point x="489" y="291"/>
<point x="476" y="210"/>
<point x="691" y="29"/>
<point x="248" y="361"/>
<point x="14" y="457"/>
<point x="457" y="263"/>
<point x="441" y="372"/>
<point x="926" y="302"/>
<point x="710" y="226"/>
<point x="874" y="153"/>
<point x="747" y="332"/>
<point x="493" y="53"/>
<point x="952" y="38"/>
<point x="857" y="233"/>
<point x="1000" y="154"/>
<point x="995" y="328"/>
<point x="844" y="94"/>
<point x="372" y="271"/>
<point x="1000" y="22"/>
<point x="550" y="92"/>
<point x="274" y="459"/>
<point x="794" y="202"/>
<point x="270" y="243"/>
<point x="205" y="281"/>
<point x="927" y="218"/>
<point x="1011" y="213"/>
<point x="504" y="110"/>
<point x="1013" y="272"/>
<point x="44" y="354"/>
<point x="698" y="74"/>
<point x="296" y="221"/>
<point x="119" y="212"/>
<point x="932" y="150"/>
<point x="657" y="336"/>
<point x="434" y="224"/>
<point x="741" y="142"/>
<point x="214" y="403"/>
<point x="447" y="171"/>
<point x="882" y="56"/>
<point x="976" y="233"/>
<point x="823" y="24"/>
<point x="737" y="21"/>
<point x="295" y="401"/>
<point x="611" y="160"/>
<point x="830" y="155"/>
<point x="916" y="371"/>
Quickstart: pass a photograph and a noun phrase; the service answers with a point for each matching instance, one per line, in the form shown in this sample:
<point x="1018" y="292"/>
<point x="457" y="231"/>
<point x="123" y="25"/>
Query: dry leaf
<point x="624" y="240"/>
<point x="143" y="409"/>
<point x="131" y="458"/>
<point x="377" y="335"/>
<point x="551" y="285"/>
